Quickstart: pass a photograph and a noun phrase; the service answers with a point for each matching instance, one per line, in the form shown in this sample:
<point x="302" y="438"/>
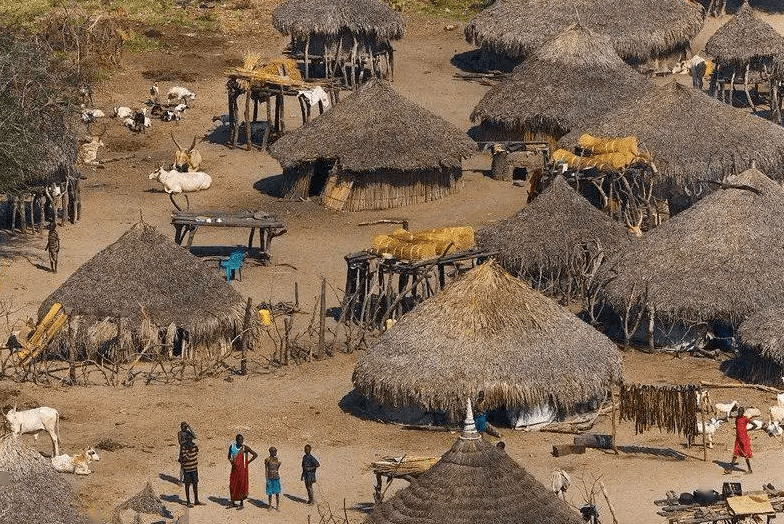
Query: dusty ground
<point x="299" y="404"/>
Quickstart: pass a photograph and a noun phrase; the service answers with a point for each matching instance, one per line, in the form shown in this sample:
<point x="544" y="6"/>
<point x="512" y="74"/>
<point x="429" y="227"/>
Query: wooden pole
<point x="307" y="58"/>
<point x="354" y="71"/>
<point x="704" y="443"/>
<point x="269" y="119"/>
<point x="244" y="340"/>
<point x="286" y="350"/>
<point x="746" y="88"/>
<point x="322" y="315"/>
<point x="247" y="119"/>
<point x="296" y="295"/>
<point x="612" y="399"/>
<point x="609" y="504"/>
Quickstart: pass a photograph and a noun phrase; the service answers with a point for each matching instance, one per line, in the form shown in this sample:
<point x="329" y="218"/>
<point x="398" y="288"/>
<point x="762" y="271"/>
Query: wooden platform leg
<point x="265" y="140"/>
<point x="191" y="234"/>
<point x="250" y="238"/>
<point x="248" y="140"/>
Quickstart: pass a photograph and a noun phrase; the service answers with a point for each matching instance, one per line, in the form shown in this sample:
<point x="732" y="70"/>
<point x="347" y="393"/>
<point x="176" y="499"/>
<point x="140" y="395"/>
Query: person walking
<point x="238" y="480"/>
<point x="742" y="441"/>
<point x="272" y="473"/>
<point x="189" y="460"/>
<point x="309" y="465"/>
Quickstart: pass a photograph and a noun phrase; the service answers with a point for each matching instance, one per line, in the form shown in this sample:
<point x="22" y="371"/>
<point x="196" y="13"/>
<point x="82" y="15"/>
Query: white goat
<point x="560" y="482"/>
<point x="88" y="149"/>
<point x="776" y="414"/>
<point x="177" y="182"/>
<point x="123" y="112"/>
<point x="754" y="424"/>
<point x="33" y="421"/>
<point x="180" y="93"/>
<point x="724" y="410"/>
<point x="78" y="464"/>
<point x="89" y="115"/>
<point x="774" y="430"/>
<point x="709" y="430"/>
<point x="751" y="413"/>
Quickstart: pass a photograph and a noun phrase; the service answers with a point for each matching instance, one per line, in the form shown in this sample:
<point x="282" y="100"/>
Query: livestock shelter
<point x="639" y="29"/>
<point x="374" y="150"/>
<point x="706" y="269"/>
<point x="488" y="332"/>
<point x="341" y="38"/>
<point x="569" y="82"/>
<point x="691" y="137"/>
<point x="760" y="348"/>
<point x="474" y="482"/>
<point x="555" y="243"/>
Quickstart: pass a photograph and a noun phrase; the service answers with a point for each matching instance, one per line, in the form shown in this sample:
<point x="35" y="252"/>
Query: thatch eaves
<point x="764" y="331"/>
<point x="568" y="82"/>
<point x="743" y="39"/>
<point x="718" y="260"/>
<point x="488" y="331"/>
<point x="639" y="29"/>
<point x="301" y="18"/>
<point x="376" y="128"/>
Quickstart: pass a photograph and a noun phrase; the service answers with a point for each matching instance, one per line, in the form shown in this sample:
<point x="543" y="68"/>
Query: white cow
<point x="78" y="464"/>
<point x="176" y="182"/>
<point x="33" y="421"/>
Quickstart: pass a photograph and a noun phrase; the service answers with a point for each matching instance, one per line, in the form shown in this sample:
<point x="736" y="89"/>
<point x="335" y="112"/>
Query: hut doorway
<point x="321" y="170"/>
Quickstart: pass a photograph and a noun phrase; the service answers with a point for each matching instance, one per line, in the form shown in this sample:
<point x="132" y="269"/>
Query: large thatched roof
<point x="146" y="275"/>
<point x="545" y="234"/>
<point x="568" y="82"/>
<point x="693" y="136"/>
<point x="488" y="331"/>
<point x="376" y="128"/>
<point x="744" y="38"/>
<point x="639" y="29"/>
<point x="474" y="482"/>
<point x="764" y="331"/>
<point x="301" y="18"/>
<point x="718" y="260"/>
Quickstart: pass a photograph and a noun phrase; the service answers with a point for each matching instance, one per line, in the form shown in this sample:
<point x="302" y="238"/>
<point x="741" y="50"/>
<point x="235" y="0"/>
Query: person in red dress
<point x="238" y="480"/>
<point x="742" y="440"/>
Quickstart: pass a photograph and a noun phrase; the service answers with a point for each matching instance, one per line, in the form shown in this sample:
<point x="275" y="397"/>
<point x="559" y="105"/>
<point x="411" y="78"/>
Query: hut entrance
<point x="321" y="170"/>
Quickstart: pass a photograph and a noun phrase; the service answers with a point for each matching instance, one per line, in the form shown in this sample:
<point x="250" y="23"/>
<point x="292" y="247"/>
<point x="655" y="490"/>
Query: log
<point x="561" y="450"/>
<point x="748" y="386"/>
<point x="595" y="440"/>
<point x="322" y="315"/>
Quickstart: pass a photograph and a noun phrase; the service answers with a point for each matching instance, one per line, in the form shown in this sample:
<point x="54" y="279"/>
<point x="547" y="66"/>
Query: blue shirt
<point x="480" y="420"/>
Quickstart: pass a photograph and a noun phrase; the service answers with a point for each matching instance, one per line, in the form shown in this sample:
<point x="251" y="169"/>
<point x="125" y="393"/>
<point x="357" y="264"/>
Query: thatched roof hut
<point x="490" y="332"/>
<point x="544" y="240"/>
<point x="639" y="29"/>
<point x="474" y="482"/>
<point x="745" y="38"/>
<point x="567" y="83"/>
<point x="761" y="348"/>
<point x="374" y="150"/>
<point x="144" y="283"/>
<point x="717" y="262"/>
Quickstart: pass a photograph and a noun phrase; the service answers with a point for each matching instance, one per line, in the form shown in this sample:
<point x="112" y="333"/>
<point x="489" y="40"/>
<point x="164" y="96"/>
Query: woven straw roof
<point x="487" y="331"/>
<point x="764" y="331"/>
<point x="718" y="260"/>
<point x="639" y="29"/>
<point x="744" y="38"/>
<point x="301" y="18"/>
<point x="376" y="128"/>
<point x="570" y="81"/>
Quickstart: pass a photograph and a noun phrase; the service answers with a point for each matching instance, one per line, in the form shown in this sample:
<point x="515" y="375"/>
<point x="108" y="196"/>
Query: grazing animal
<point x="123" y="112"/>
<point x="53" y="245"/>
<point x="88" y="149"/>
<point x="180" y="93"/>
<point x="754" y="424"/>
<point x="86" y="92"/>
<point x="751" y="413"/>
<point x="704" y="403"/>
<point x="709" y="430"/>
<point x="724" y="410"/>
<point x="178" y="182"/>
<point x="560" y="482"/>
<point x="130" y="123"/>
<point x="33" y="421"/>
<point x="89" y="115"/>
<point x="776" y="414"/>
<point x="774" y="430"/>
<point x="154" y="91"/>
<point x="78" y="464"/>
<point x="780" y="399"/>
<point x="186" y="160"/>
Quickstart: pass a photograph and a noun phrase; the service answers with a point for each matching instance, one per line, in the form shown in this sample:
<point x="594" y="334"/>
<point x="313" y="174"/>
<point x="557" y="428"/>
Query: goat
<point x="560" y="482"/>
<point x="709" y="430"/>
<point x="88" y="149"/>
<point x="754" y="424"/>
<point x="774" y="430"/>
<point x="33" y="421"/>
<point x="89" y="115"/>
<point x="186" y="160"/>
<point x="751" y="413"/>
<point x="78" y="464"/>
<point x="180" y="93"/>
<point x="776" y="414"/>
<point x="704" y="403"/>
<point x="123" y="112"/>
<point x="154" y="91"/>
<point x="724" y="410"/>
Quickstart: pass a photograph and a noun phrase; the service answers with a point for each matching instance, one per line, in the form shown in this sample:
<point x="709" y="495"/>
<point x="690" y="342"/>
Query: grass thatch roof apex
<point x="545" y="233"/>
<point x="301" y="18"/>
<point x="569" y="81"/>
<point x="764" y="331"/>
<point x="488" y="331"/>
<point x="718" y="260"/>
<point x="745" y="38"/>
<point x="376" y="128"/>
<point x="639" y="29"/>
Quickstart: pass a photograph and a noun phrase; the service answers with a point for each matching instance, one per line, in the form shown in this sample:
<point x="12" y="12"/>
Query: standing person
<point x="742" y="441"/>
<point x="480" y="417"/>
<point x="184" y="436"/>
<point x="53" y="245"/>
<point x="189" y="460"/>
<point x="309" y="465"/>
<point x="272" y="473"/>
<point x="238" y="480"/>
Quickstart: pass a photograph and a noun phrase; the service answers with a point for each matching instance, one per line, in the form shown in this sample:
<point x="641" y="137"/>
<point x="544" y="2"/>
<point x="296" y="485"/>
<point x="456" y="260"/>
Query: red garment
<point x="238" y="480"/>
<point x="742" y="440"/>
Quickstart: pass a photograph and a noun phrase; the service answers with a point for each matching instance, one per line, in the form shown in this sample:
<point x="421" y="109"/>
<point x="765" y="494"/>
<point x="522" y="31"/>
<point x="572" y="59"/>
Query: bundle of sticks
<point x="671" y="408"/>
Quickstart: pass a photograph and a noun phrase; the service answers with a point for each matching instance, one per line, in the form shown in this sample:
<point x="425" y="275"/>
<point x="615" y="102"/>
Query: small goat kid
<point x="123" y="112"/>
<point x="77" y="464"/>
<point x="181" y="94"/>
<point x="709" y="430"/>
<point x="724" y="410"/>
<point x="186" y="160"/>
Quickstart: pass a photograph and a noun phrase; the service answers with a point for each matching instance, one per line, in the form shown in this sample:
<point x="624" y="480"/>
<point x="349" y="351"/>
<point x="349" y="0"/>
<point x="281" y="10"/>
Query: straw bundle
<point x="601" y="145"/>
<point x="602" y="162"/>
<point x="424" y="245"/>
<point x="403" y="465"/>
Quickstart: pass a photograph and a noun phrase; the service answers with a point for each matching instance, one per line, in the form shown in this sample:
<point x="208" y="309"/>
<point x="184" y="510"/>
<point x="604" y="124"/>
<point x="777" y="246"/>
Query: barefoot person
<point x="189" y="460"/>
<point x="742" y="440"/>
<point x="309" y="465"/>
<point x="238" y="480"/>
<point x="272" y="473"/>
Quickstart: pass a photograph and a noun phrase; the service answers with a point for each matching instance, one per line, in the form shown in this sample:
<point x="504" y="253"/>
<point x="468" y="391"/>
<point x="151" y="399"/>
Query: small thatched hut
<point x="474" y="482"/>
<point x="556" y="234"/>
<point x="709" y="267"/>
<point x="761" y="348"/>
<point x="639" y="29"/>
<point x="374" y="150"/>
<point x="144" y="285"/>
<point x="567" y="83"/>
<point x="746" y="38"/>
<point x="490" y="332"/>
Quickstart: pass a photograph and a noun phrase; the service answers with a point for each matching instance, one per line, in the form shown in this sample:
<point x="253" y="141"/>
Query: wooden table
<point x="269" y="226"/>
<point x="719" y="512"/>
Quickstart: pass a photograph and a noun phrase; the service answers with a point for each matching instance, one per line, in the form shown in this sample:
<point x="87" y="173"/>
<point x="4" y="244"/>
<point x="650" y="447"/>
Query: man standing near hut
<point x="272" y="472"/>
<point x="480" y="418"/>
<point x="238" y="480"/>
<point x="309" y="465"/>
<point x="189" y="460"/>
<point x="53" y="245"/>
<point x="742" y="442"/>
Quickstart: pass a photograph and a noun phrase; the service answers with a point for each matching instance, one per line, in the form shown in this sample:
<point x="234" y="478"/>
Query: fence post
<point x="322" y="314"/>
<point x="244" y="339"/>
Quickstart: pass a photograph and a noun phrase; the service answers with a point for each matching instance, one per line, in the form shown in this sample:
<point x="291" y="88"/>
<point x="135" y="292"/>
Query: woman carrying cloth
<point x="238" y="480"/>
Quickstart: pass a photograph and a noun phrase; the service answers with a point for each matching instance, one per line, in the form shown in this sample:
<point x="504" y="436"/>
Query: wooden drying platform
<point x="405" y="467"/>
<point x="719" y="512"/>
<point x="188" y="222"/>
<point x="380" y="288"/>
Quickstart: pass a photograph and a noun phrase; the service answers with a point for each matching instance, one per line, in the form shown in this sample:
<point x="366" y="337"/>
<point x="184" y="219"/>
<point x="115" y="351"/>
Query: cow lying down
<point x="78" y="464"/>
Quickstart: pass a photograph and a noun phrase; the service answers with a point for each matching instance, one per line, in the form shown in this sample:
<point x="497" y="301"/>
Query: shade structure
<point x="638" y="29"/>
<point x="745" y="38"/>
<point x="301" y="18"/>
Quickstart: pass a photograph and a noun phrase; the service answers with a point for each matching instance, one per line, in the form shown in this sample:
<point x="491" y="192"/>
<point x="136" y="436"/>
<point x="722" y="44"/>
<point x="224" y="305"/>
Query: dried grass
<point x="743" y="39"/>
<point x="365" y="18"/>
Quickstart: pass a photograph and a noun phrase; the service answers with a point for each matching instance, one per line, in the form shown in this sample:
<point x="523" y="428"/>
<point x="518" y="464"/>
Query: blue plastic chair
<point x="233" y="264"/>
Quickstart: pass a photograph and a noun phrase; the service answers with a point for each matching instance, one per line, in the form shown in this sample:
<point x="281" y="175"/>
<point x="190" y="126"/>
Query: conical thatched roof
<point x="376" y="128"/>
<point x="144" y="274"/>
<point x="488" y="331"/>
<point x="693" y="136"/>
<point x="545" y="234"/>
<point x="764" y="331"/>
<point x="301" y="18"/>
<point x="474" y="482"/>
<point x="639" y="29"/>
<point x="568" y="82"/>
<point x="744" y="38"/>
<point x="146" y="501"/>
<point x="32" y="491"/>
<point x="718" y="260"/>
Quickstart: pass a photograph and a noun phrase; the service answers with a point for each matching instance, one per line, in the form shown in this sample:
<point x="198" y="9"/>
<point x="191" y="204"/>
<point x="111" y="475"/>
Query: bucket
<point x="265" y="316"/>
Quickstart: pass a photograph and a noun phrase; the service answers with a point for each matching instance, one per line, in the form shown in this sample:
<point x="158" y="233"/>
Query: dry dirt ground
<point x="299" y="404"/>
